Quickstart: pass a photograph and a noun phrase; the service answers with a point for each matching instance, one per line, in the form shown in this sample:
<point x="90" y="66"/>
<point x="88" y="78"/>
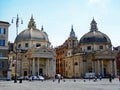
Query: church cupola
<point x="32" y="23"/>
<point x="93" y="25"/>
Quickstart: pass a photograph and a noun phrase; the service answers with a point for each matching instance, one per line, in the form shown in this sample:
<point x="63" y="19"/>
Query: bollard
<point x="58" y="80"/>
<point x="20" y="80"/>
<point x="74" y="80"/>
<point x="84" y="80"/>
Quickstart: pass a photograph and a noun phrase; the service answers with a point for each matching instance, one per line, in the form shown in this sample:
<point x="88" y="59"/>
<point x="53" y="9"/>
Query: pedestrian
<point x="100" y="77"/>
<point x="110" y="78"/>
<point x="119" y="78"/>
<point x="59" y="80"/>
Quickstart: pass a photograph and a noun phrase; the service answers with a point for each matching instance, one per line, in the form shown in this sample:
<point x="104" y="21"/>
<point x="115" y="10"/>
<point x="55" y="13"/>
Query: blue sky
<point x="57" y="16"/>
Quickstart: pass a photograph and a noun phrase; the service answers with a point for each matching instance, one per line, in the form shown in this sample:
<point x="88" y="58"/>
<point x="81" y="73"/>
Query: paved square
<point x="69" y="84"/>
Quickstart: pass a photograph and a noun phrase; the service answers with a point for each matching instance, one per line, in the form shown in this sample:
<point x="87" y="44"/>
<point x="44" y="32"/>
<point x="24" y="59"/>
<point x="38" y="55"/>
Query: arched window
<point x="38" y="45"/>
<point x="76" y="63"/>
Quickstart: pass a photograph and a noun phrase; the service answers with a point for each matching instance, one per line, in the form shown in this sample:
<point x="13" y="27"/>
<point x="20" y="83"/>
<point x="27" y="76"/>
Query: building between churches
<point x="34" y="54"/>
<point x="3" y="48"/>
<point x="91" y="54"/>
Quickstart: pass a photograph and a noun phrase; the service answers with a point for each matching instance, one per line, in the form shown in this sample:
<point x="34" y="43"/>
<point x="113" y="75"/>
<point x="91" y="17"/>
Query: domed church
<point x="35" y="55"/>
<point x="91" y="54"/>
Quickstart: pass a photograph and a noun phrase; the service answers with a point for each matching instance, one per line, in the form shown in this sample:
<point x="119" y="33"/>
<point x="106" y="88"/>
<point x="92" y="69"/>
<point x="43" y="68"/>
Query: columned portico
<point x="44" y="65"/>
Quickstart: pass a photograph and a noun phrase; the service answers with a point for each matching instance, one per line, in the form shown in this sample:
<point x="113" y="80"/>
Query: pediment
<point x="106" y="52"/>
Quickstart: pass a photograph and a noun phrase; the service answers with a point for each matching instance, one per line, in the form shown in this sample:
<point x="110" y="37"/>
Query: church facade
<point x="34" y="54"/>
<point x="91" y="54"/>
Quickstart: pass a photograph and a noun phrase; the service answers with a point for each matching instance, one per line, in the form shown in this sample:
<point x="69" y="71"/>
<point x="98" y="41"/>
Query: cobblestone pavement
<point x="69" y="84"/>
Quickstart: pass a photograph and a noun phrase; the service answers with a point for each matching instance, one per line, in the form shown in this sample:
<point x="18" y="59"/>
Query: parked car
<point x="36" y="78"/>
<point x="23" y="77"/>
<point x="33" y="78"/>
<point x="89" y="75"/>
<point x="41" y="78"/>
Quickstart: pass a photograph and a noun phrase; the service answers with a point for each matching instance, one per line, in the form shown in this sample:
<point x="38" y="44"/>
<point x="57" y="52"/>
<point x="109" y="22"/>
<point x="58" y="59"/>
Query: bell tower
<point x="72" y="40"/>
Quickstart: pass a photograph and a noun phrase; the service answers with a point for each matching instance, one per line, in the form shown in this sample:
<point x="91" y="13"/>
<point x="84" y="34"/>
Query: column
<point x="111" y="67"/>
<point x="52" y="71"/>
<point x="115" y="68"/>
<point x="29" y="67"/>
<point x="85" y="67"/>
<point x="21" y="66"/>
<point x="38" y="66"/>
<point x="102" y="68"/>
<point x="82" y="67"/>
<point x="33" y="68"/>
<point x="95" y="66"/>
<point x="92" y="66"/>
<point x="79" y="69"/>
<point x="48" y="70"/>
<point x="98" y="67"/>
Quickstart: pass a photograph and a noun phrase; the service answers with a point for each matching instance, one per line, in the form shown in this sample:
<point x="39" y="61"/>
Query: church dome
<point x="32" y="33"/>
<point x="94" y="36"/>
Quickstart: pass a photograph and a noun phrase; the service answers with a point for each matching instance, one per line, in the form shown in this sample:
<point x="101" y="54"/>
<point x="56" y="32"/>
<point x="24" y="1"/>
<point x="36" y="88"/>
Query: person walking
<point x="119" y="78"/>
<point x="110" y="78"/>
<point x="58" y="80"/>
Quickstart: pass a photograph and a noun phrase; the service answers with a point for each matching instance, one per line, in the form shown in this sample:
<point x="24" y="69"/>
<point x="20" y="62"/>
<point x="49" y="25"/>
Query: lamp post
<point x="18" y="19"/>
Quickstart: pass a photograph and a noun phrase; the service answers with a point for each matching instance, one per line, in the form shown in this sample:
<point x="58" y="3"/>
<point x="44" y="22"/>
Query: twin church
<point x="32" y="54"/>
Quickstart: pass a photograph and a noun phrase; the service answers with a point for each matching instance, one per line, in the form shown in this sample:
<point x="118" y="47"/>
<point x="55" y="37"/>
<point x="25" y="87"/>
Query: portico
<point x="41" y="66"/>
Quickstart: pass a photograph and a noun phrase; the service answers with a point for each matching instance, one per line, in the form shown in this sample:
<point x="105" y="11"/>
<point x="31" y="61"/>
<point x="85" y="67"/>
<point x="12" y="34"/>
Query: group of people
<point x="59" y="77"/>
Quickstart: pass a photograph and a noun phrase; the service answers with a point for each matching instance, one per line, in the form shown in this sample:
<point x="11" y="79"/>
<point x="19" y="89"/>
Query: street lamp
<point x="18" y="19"/>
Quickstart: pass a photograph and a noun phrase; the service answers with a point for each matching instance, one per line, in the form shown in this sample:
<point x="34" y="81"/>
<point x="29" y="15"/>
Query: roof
<point x="4" y="22"/>
<point x="32" y="33"/>
<point x="94" y="36"/>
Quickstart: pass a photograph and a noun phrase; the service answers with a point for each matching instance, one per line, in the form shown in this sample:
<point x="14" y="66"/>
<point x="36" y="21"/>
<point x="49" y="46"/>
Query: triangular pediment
<point x="43" y="52"/>
<point x="106" y="52"/>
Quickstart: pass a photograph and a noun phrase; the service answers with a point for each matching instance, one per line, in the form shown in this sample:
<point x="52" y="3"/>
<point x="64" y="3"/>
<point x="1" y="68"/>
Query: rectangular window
<point x="2" y="42"/>
<point x="3" y="64"/>
<point x="26" y="44"/>
<point x="19" y="45"/>
<point x="2" y="30"/>
<point x="0" y="65"/>
<point x="89" y="48"/>
<point x="100" y="47"/>
<point x="1" y="54"/>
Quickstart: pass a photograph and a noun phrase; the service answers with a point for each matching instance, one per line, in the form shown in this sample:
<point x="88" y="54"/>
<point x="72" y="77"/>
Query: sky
<point x="57" y="16"/>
